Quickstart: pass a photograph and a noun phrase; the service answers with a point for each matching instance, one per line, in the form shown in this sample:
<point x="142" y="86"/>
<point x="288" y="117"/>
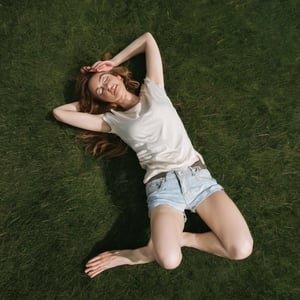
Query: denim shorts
<point x="183" y="189"/>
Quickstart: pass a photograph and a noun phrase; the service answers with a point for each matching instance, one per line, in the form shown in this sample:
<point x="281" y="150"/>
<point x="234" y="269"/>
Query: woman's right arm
<point x="143" y="44"/>
<point x="70" y="114"/>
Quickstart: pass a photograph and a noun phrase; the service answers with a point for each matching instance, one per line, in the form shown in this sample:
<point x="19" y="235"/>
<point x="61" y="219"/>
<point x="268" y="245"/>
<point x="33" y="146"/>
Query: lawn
<point x="232" y="70"/>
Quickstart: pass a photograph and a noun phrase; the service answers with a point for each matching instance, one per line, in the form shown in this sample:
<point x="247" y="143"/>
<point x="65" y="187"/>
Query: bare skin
<point x="230" y="237"/>
<point x="110" y="259"/>
<point x="109" y="88"/>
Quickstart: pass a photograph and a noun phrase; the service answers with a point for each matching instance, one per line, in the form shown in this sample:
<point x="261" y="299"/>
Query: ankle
<point x="187" y="239"/>
<point x="140" y="256"/>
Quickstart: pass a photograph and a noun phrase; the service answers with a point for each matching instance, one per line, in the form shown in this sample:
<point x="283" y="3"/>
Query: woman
<point x="176" y="177"/>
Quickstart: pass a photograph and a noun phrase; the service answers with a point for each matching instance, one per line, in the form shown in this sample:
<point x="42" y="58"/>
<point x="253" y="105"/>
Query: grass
<point x="231" y="68"/>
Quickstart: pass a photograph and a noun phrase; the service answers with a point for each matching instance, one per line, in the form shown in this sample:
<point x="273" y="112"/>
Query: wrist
<point x="115" y="61"/>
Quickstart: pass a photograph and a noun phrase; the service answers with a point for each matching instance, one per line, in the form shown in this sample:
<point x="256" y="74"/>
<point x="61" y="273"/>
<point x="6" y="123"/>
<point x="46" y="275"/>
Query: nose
<point x="109" y="85"/>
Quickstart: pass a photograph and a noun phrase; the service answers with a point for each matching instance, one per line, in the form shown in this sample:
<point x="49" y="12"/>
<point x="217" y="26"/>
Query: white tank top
<point x="153" y="129"/>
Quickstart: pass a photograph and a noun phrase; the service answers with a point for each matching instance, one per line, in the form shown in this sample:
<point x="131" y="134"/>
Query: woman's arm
<point x="144" y="44"/>
<point x="70" y="114"/>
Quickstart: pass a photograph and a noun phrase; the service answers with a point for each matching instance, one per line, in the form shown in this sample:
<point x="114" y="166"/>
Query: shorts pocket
<point x="154" y="186"/>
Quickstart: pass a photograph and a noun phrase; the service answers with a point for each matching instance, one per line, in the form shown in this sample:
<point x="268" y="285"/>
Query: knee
<point x="169" y="261"/>
<point x="241" y="249"/>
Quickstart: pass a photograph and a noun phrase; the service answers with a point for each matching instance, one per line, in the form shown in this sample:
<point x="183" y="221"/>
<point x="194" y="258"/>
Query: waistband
<point x="198" y="163"/>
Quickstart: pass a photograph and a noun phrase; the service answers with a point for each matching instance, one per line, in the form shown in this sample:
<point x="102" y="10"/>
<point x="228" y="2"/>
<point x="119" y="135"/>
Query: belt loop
<point x="199" y="164"/>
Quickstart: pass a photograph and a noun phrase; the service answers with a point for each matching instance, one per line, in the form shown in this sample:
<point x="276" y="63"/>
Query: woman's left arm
<point x="144" y="44"/>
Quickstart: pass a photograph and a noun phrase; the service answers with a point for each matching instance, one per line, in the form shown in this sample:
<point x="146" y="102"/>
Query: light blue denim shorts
<point x="183" y="189"/>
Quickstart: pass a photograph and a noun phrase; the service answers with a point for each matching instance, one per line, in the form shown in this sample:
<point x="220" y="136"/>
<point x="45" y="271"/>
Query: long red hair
<point x="100" y="143"/>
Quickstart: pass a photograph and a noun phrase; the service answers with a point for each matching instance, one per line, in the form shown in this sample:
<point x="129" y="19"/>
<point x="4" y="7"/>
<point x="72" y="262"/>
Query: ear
<point x="120" y="78"/>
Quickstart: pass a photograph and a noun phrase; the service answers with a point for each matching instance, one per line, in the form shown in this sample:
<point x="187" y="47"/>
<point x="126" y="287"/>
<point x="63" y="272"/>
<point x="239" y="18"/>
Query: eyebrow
<point x="99" y="78"/>
<point x="102" y="74"/>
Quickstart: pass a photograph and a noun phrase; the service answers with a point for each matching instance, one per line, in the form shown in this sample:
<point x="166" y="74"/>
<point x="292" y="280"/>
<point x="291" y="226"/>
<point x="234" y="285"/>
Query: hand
<point x="99" y="66"/>
<point x="103" y="65"/>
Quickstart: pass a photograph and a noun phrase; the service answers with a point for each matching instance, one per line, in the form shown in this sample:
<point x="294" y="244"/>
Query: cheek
<point x="106" y="97"/>
<point x="122" y="86"/>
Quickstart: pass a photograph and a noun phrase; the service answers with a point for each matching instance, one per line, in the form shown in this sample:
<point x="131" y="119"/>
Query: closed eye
<point x="105" y="79"/>
<point x="102" y="80"/>
<point x="100" y="91"/>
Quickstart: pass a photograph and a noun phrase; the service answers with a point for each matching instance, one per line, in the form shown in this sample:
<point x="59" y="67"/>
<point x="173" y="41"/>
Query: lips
<point x="115" y="89"/>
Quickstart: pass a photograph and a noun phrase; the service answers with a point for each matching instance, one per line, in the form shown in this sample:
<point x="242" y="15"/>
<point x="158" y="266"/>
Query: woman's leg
<point x="229" y="236"/>
<point x="164" y="246"/>
<point x="166" y="233"/>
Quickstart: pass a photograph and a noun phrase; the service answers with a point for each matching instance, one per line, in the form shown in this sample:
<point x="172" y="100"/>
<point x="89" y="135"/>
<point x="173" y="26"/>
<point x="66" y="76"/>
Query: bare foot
<point x="110" y="259"/>
<point x="104" y="261"/>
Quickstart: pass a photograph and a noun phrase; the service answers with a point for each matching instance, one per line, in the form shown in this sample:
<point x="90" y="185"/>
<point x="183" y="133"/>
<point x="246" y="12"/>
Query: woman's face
<point x="107" y="87"/>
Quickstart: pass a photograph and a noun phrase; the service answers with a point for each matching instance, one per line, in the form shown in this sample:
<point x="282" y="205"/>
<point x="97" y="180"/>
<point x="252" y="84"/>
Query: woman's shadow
<point x="124" y="182"/>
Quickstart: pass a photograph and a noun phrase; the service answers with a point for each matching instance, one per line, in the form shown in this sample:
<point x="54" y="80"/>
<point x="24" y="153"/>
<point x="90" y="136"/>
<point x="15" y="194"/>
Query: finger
<point x="85" y="69"/>
<point x="105" y="65"/>
<point x="97" y="64"/>
<point x="101" y="68"/>
<point x="104" y="69"/>
<point x="92" y="70"/>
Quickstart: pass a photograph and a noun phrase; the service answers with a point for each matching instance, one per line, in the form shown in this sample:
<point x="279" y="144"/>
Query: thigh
<point x="224" y="218"/>
<point x="167" y="224"/>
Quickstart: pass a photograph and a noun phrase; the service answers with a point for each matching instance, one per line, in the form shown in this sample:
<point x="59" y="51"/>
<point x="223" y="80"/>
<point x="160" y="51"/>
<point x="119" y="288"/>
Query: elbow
<point x="148" y="35"/>
<point x="56" y="114"/>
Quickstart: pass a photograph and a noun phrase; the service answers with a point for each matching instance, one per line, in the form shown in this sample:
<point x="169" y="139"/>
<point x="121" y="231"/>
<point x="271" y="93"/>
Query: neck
<point x="129" y="101"/>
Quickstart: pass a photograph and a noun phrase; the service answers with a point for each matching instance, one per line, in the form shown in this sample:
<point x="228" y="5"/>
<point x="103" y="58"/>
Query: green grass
<point x="231" y="68"/>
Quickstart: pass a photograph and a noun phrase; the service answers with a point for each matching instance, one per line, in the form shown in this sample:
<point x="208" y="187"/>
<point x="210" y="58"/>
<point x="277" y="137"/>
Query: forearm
<point x="74" y="106"/>
<point x="66" y="112"/>
<point x="79" y="120"/>
<point x="144" y="44"/>
<point x="70" y="114"/>
<point x="136" y="47"/>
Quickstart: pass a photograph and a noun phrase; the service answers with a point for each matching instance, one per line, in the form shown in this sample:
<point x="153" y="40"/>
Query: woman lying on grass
<point x="176" y="176"/>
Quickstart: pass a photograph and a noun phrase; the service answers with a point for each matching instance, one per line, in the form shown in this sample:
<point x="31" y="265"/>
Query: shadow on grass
<point x="124" y="180"/>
